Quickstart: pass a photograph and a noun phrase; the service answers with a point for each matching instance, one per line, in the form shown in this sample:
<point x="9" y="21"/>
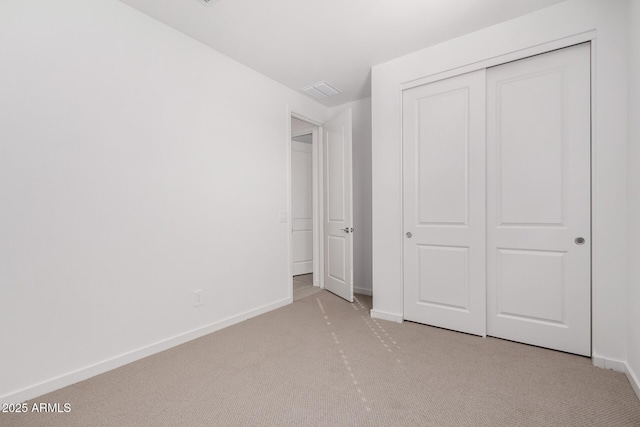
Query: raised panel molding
<point x="530" y="285"/>
<point x="336" y="179"/>
<point x="530" y="148"/>
<point x="443" y="276"/>
<point x="442" y="158"/>
<point x="335" y="260"/>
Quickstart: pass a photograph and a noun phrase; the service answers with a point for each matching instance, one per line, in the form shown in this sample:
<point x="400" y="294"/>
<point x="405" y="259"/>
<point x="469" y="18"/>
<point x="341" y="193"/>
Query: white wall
<point x="633" y="189"/>
<point x="609" y="20"/>
<point x="361" y="116"/>
<point x="136" y="165"/>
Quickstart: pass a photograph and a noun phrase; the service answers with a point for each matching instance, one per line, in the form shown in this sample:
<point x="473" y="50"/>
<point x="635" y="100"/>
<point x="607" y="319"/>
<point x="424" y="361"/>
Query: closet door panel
<point x="444" y="203"/>
<point x="538" y="200"/>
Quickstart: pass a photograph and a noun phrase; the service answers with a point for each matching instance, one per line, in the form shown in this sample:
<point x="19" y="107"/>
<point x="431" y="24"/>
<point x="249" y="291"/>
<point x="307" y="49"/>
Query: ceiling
<point x="301" y="42"/>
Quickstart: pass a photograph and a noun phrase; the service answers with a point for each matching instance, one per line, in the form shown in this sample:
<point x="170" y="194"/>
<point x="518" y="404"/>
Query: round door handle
<point x="409" y="235"/>
<point x="579" y="240"/>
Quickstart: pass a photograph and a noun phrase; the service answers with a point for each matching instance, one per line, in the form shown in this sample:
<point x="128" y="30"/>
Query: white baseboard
<point x="634" y="380"/>
<point x="619" y="366"/>
<point x="392" y="317"/>
<point x="87" y="372"/>
<point x="605" y="363"/>
<point x="302" y="268"/>
<point x="362" y="291"/>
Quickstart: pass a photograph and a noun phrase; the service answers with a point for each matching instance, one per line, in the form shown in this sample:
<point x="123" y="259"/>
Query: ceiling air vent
<point x="206" y="2"/>
<point x="321" y="90"/>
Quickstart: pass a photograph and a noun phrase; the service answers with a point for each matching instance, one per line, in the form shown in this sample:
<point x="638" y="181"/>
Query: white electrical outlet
<point x="197" y="298"/>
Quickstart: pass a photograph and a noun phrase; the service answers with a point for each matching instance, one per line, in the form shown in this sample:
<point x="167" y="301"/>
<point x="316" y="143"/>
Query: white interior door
<point x="538" y="200"/>
<point x="301" y="207"/>
<point x="444" y="203"/>
<point x="338" y="206"/>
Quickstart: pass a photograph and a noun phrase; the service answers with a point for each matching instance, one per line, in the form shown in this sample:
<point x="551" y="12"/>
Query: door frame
<point x="589" y="36"/>
<point x="316" y="130"/>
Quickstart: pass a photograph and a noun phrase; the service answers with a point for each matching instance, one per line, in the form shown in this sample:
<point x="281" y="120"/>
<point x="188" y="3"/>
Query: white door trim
<point x="502" y="59"/>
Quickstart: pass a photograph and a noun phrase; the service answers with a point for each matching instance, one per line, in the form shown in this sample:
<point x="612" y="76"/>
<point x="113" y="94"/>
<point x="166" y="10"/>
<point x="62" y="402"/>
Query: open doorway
<point x="304" y="208"/>
<point x="331" y="202"/>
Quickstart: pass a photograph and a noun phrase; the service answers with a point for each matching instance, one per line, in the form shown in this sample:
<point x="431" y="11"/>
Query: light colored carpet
<point x="324" y="362"/>
<point x="303" y="286"/>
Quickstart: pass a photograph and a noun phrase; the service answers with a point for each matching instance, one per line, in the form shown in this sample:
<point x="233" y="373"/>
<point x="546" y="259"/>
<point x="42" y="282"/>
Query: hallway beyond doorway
<point x="303" y="286"/>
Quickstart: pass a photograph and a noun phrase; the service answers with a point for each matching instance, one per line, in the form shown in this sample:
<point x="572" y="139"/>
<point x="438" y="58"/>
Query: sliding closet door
<point x="538" y="200"/>
<point x="444" y="203"/>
